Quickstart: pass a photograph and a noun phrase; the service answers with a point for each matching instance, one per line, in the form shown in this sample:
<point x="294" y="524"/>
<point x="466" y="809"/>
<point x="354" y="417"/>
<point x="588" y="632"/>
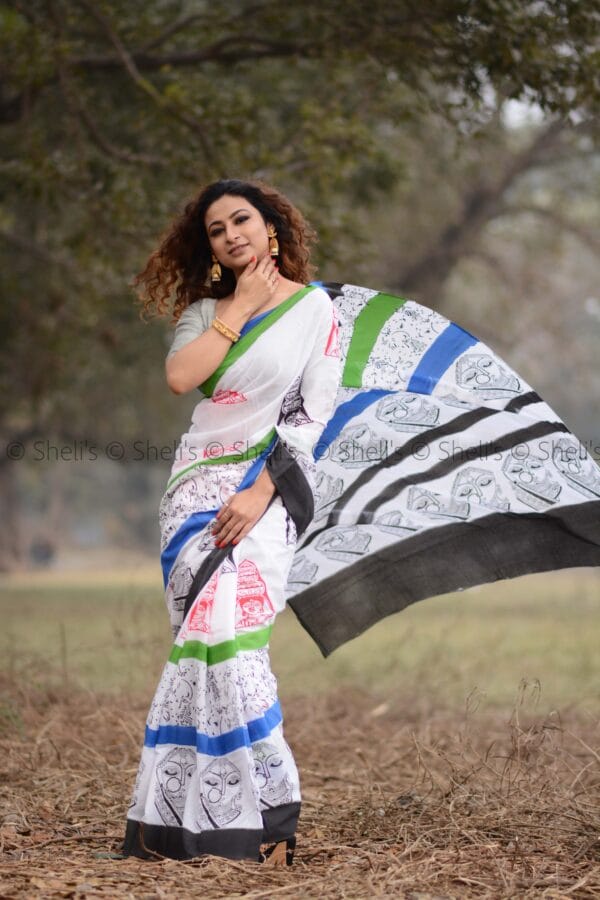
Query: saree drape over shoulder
<point x="409" y="461"/>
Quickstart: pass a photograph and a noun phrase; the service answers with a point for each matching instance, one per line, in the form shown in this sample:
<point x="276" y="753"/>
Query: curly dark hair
<point x="180" y="266"/>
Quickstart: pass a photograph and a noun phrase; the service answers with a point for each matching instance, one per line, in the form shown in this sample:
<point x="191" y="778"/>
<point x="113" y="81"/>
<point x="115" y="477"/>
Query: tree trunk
<point x="11" y="540"/>
<point x="425" y="278"/>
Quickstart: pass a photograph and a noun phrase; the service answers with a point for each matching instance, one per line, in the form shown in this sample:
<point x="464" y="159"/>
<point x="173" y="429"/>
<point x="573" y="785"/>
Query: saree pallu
<point x="216" y="774"/>
<point x="441" y="468"/>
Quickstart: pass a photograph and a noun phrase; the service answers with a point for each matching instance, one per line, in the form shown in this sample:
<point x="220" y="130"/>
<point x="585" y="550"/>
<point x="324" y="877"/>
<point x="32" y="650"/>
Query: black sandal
<point x="278" y="854"/>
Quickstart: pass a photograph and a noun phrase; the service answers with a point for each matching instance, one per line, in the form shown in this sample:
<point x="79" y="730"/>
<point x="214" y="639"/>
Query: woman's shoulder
<point x="319" y="298"/>
<point x="199" y="311"/>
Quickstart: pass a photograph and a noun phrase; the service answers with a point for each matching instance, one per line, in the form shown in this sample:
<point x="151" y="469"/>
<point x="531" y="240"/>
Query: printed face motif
<point x="173" y="776"/>
<point x="481" y="373"/>
<point x="394" y="522"/>
<point x="532" y="481"/>
<point x="228" y="397"/>
<point x="407" y="412"/>
<point x="137" y="785"/>
<point x="292" y="407"/>
<point x="301" y="574"/>
<point x="271" y="779"/>
<point x="221" y="792"/>
<point x="344" y="543"/>
<point x="573" y="462"/>
<point x="253" y="605"/>
<point x="200" y="614"/>
<point x="357" y="446"/>
<point x="479" y="486"/>
<point x="431" y="503"/>
<point x="327" y="491"/>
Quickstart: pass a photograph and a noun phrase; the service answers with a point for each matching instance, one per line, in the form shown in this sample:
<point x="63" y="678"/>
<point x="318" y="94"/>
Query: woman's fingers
<point x="242" y="534"/>
<point x="228" y="523"/>
<point x="233" y="530"/>
<point x="229" y="532"/>
<point x="264" y="269"/>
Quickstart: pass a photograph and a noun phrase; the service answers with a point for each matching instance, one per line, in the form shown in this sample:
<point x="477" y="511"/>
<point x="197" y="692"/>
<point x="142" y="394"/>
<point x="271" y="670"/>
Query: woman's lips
<point x="236" y="250"/>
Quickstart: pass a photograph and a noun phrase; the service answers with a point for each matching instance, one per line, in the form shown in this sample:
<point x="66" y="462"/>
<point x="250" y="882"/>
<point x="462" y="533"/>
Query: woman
<point x="387" y="450"/>
<point x="216" y="774"/>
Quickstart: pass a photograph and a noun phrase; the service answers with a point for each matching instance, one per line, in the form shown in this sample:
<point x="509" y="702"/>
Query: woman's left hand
<point x="239" y="514"/>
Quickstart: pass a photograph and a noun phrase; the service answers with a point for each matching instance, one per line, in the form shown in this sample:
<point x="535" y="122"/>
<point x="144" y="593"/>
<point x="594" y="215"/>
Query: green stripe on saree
<point x="238" y="349"/>
<point x="240" y="456"/>
<point x="217" y="653"/>
<point x="367" y="328"/>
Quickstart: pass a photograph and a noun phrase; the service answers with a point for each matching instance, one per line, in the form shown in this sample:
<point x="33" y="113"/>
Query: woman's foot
<point x="279" y="854"/>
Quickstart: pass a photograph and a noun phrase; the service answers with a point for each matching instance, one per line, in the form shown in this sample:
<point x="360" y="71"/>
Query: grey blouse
<point x="194" y="320"/>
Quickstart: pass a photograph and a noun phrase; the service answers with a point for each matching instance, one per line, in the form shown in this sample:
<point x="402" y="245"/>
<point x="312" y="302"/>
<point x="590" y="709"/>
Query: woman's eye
<point x="241" y="219"/>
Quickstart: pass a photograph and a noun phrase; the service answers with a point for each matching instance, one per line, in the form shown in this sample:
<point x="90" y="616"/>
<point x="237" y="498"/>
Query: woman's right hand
<point x="256" y="285"/>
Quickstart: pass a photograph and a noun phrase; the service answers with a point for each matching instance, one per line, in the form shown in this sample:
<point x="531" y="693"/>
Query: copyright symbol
<point x="520" y="451"/>
<point x="15" y="450"/>
<point x="115" y="450"/>
<point x="213" y="450"/>
<point x="420" y="450"/>
<point x="320" y="449"/>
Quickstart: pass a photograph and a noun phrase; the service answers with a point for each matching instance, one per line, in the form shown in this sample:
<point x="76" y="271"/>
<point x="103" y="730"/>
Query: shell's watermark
<point x="346" y="451"/>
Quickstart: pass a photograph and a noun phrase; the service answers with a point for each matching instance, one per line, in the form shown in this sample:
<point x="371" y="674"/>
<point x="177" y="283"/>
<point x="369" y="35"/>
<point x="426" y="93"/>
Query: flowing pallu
<point x="439" y="469"/>
<point x="409" y="461"/>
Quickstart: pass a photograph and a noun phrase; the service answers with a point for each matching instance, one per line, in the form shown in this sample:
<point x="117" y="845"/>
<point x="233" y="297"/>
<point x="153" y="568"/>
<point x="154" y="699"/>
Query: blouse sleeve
<point x="192" y="323"/>
<point x="308" y="405"/>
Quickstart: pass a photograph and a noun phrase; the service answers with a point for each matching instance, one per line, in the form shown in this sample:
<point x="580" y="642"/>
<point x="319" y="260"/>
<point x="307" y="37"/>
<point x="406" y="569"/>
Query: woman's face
<point x="236" y="232"/>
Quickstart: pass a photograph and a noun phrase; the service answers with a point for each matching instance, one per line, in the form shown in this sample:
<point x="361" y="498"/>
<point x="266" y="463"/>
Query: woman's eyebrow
<point x="219" y="222"/>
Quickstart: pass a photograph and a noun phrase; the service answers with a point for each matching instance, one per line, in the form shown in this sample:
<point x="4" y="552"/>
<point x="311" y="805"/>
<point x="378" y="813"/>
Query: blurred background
<point x="445" y="152"/>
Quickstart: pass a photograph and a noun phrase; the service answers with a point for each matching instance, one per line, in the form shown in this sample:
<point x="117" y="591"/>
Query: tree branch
<point x="484" y="202"/>
<point x="129" y="64"/>
<point x="585" y="235"/>
<point x="184" y="21"/>
<point x="116" y="152"/>
<point x="229" y="49"/>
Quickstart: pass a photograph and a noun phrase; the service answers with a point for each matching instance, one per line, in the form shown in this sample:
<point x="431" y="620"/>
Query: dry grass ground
<point x="408" y="791"/>
<point x="399" y="801"/>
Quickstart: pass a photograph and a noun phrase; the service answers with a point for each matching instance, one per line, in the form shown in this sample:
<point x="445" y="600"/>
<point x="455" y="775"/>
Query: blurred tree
<point x="500" y="231"/>
<point x="111" y="113"/>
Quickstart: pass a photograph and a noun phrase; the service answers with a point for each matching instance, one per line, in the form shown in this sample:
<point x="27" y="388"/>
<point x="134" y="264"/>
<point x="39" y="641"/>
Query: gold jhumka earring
<point x="215" y="272"/>
<point x="272" y="235"/>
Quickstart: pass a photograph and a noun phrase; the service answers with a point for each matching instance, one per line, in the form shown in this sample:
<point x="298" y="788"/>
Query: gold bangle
<point x="225" y="330"/>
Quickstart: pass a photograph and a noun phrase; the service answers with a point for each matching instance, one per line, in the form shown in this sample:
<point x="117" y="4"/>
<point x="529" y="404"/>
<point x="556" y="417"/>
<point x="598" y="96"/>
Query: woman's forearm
<point x="264" y="485"/>
<point x="194" y="363"/>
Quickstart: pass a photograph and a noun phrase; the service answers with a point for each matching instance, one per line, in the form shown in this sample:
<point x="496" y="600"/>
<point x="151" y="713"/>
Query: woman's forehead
<point x="225" y="207"/>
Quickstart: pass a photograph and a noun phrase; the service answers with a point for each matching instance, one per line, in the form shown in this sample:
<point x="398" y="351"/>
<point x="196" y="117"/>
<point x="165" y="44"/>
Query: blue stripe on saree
<point x="447" y="347"/>
<point x="197" y="521"/>
<point x="219" y="745"/>
<point x="249" y="325"/>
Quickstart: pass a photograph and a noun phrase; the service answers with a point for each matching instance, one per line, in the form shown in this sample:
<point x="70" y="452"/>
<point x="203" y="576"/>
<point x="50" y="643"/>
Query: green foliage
<point x="111" y="114"/>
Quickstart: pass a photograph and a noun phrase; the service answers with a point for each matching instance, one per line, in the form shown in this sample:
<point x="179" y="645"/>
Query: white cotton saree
<point x="216" y="774"/>
<point x="409" y="461"/>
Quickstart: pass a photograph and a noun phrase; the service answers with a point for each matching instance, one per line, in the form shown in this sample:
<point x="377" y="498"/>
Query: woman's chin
<point x="239" y="260"/>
